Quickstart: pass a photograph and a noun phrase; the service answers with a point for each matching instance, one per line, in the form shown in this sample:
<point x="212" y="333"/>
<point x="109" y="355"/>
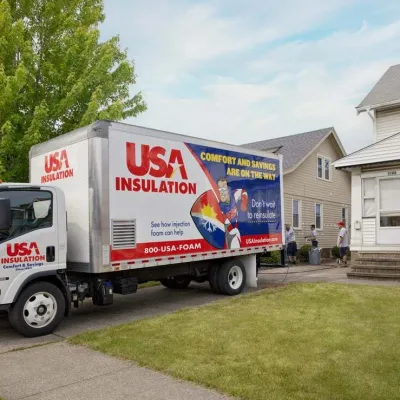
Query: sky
<point x="241" y="71"/>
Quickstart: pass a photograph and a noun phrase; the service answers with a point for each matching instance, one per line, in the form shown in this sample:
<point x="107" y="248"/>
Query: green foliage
<point x="274" y="258"/>
<point x="55" y="76"/>
<point x="303" y="253"/>
<point x="336" y="252"/>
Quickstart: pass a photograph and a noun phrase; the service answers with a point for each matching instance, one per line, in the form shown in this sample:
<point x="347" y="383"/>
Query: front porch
<point x="375" y="225"/>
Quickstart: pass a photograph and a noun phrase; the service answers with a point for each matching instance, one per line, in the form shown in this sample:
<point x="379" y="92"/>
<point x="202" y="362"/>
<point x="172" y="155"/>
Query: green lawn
<point x="302" y="341"/>
<point x="148" y="284"/>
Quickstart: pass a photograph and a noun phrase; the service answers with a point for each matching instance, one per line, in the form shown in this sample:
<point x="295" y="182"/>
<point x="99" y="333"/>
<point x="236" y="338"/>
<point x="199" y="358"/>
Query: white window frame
<point x="296" y="227"/>
<point x="321" y="210"/>
<point x="379" y="211"/>
<point x="374" y="198"/>
<point x="324" y="159"/>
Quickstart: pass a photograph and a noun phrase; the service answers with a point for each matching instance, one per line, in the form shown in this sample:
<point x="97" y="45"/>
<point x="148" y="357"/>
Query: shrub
<point x="273" y="258"/>
<point x="335" y="252"/>
<point x="303" y="253"/>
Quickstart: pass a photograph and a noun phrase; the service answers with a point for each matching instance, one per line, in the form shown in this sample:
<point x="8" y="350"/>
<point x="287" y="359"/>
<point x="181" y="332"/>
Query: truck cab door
<point x="31" y="244"/>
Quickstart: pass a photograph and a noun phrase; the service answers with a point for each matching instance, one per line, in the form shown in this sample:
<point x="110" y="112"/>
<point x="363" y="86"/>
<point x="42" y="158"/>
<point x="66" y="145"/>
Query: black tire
<point x="177" y="282"/>
<point x="16" y="314"/>
<point x="232" y="277"/>
<point x="213" y="278"/>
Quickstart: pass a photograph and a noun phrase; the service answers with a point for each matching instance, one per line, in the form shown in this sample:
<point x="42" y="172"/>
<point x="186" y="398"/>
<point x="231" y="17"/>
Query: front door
<point x="388" y="216"/>
<point x="31" y="243"/>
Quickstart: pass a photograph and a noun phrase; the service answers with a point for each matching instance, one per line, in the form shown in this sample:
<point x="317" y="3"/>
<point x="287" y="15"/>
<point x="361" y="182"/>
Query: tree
<point x="56" y="75"/>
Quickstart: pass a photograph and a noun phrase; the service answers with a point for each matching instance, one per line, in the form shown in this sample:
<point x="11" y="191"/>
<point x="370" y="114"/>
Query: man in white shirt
<point x="313" y="236"/>
<point x="343" y="243"/>
<point x="291" y="244"/>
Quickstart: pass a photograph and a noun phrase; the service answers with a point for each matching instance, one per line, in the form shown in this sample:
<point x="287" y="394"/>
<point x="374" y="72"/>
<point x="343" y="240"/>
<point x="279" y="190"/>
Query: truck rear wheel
<point x="176" y="282"/>
<point x="213" y="278"/>
<point x="231" y="277"/>
<point x="38" y="311"/>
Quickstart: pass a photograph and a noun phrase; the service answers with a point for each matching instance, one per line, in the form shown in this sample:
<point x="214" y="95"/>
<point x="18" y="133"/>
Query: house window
<point x="327" y="169"/>
<point x="296" y="214"/>
<point x="389" y="201"/>
<point x="369" y="194"/>
<point x="344" y="216"/>
<point x="320" y="161"/>
<point x="318" y="216"/>
<point x="324" y="168"/>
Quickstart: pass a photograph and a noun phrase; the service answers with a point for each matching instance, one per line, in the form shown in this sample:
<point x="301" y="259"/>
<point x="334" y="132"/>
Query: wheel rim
<point x="235" y="277"/>
<point x="40" y="310"/>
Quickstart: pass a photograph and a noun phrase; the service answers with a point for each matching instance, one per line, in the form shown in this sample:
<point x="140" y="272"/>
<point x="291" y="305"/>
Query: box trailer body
<point x="131" y="204"/>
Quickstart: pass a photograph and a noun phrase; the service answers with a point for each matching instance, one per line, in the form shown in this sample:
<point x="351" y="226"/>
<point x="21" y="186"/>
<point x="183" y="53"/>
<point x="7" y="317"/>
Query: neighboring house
<point x="376" y="174"/>
<point x="314" y="192"/>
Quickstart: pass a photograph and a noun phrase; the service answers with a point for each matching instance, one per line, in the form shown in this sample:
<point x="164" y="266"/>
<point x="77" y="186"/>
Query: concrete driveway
<point x="147" y="302"/>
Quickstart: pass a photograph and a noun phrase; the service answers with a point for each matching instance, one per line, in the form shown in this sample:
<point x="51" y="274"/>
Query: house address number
<point x="391" y="173"/>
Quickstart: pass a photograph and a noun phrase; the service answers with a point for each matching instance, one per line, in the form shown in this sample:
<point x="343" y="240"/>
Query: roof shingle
<point x="294" y="147"/>
<point x="386" y="90"/>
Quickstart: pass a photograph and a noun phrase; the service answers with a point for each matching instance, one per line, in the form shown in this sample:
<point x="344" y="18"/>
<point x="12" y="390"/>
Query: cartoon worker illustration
<point x="229" y="206"/>
<point x="216" y="215"/>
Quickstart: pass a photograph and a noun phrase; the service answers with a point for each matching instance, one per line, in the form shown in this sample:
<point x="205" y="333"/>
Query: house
<point x="314" y="192"/>
<point x="375" y="172"/>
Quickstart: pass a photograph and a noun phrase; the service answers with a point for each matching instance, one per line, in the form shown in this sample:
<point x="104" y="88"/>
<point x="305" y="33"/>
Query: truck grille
<point x="123" y="234"/>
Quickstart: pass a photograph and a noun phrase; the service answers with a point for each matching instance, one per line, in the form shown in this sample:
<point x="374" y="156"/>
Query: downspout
<point x="373" y="124"/>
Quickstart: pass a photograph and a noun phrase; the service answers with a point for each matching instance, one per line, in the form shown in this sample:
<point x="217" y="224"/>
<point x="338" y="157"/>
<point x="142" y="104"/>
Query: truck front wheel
<point x="38" y="311"/>
<point x="231" y="277"/>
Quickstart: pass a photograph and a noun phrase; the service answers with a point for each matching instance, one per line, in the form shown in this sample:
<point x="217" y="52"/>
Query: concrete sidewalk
<point x="328" y="272"/>
<point x="62" y="371"/>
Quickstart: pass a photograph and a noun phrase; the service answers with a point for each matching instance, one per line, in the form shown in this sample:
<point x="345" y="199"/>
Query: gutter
<point x="387" y="104"/>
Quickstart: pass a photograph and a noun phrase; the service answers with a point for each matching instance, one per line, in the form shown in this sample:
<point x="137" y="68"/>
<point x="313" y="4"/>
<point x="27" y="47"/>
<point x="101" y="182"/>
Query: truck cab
<point x="33" y="246"/>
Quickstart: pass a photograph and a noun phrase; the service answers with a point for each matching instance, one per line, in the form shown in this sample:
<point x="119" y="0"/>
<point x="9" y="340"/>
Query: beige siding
<point x="303" y="184"/>
<point x="327" y="236"/>
<point x="387" y="123"/>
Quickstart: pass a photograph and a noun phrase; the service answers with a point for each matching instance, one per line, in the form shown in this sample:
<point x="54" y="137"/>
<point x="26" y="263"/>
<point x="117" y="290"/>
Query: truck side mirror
<point x="5" y="214"/>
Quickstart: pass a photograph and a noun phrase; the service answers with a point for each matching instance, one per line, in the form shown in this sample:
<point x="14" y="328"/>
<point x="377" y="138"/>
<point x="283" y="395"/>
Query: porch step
<point x="376" y="261"/>
<point x="373" y="276"/>
<point x="376" y="269"/>
<point x="379" y="256"/>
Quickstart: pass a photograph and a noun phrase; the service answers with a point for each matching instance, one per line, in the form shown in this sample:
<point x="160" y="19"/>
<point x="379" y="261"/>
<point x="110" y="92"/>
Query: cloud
<point x="235" y="72"/>
<point x="342" y="49"/>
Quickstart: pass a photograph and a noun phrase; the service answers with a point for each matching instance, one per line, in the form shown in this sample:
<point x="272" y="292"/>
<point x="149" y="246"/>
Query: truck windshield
<point x="30" y="210"/>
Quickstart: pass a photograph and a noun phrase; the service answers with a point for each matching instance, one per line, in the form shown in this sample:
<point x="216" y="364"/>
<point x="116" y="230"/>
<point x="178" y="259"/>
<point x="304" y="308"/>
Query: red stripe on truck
<point x="183" y="248"/>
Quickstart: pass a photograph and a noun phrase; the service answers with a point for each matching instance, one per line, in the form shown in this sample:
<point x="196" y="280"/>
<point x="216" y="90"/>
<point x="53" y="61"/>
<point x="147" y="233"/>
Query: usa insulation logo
<point x="156" y="169"/>
<point x="57" y="166"/>
<point x="20" y="256"/>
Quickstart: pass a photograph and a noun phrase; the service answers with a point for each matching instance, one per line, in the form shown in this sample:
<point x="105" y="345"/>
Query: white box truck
<point x="113" y="205"/>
